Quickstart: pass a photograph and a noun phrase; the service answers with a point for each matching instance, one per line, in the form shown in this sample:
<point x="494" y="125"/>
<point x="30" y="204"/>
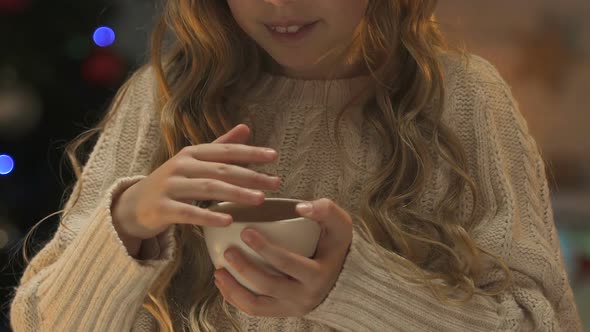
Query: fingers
<point x="301" y="268"/>
<point x="230" y="153"/>
<point x="238" y="134"/>
<point x="212" y="189"/>
<point x="336" y="226"/>
<point x="233" y="174"/>
<point x="244" y="299"/>
<point x="265" y="282"/>
<point x="182" y="213"/>
<point x="327" y="213"/>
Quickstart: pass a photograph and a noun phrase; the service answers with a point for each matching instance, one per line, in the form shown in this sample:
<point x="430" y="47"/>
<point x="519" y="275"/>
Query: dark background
<point x="55" y="82"/>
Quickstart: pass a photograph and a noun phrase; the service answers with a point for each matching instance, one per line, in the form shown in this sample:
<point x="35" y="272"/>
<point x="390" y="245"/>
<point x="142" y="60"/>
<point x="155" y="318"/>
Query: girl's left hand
<point x="307" y="281"/>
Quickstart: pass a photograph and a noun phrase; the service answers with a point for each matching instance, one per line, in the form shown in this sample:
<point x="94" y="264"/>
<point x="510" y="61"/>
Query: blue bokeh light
<point x="6" y="164"/>
<point x="104" y="36"/>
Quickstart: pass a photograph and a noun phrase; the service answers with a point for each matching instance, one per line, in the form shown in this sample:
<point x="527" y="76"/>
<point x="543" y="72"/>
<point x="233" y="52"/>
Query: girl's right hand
<point x="199" y="172"/>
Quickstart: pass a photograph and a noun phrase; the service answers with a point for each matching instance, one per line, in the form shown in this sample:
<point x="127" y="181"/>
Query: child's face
<point x="335" y="27"/>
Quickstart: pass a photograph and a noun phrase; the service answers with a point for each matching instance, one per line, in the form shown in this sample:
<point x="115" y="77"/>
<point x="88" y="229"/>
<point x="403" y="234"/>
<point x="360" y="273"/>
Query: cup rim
<point x="224" y="203"/>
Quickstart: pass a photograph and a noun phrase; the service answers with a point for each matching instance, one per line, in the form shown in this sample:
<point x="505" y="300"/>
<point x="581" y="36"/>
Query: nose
<point x="279" y="2"/>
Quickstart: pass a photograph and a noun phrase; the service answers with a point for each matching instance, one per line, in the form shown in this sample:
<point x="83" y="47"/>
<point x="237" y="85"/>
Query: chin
<point x="295" y="63"/>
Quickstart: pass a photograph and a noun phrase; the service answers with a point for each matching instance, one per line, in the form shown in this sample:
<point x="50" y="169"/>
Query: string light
<point x="104" y="36"/>
<point x="6" y="164"/>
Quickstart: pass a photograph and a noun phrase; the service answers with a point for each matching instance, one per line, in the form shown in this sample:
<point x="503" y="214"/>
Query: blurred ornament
<point x="9" y="234"/>
<point x="103" y="67"/>
<point x="104" y="36"/>
<point x="583" y="268"/>
<point x="20" y="106"/>
<point x="14" y="6"/>
<point x="6" y="164"/>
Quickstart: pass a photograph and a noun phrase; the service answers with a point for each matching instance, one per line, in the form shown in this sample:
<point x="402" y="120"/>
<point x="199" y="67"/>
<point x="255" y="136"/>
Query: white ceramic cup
<point x="276" y="219"/>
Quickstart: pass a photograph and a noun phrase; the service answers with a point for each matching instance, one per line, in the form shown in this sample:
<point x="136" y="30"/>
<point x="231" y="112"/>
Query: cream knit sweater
<point x="84" y="280"/>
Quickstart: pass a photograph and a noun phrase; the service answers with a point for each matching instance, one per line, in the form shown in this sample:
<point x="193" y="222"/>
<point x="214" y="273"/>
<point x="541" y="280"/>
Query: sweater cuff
<point x="98" y="273"/>
<point x="158" y="248"/>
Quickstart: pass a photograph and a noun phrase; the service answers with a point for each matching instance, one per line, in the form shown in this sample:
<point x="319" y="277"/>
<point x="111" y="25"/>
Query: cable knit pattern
<point x="84" y="280"/>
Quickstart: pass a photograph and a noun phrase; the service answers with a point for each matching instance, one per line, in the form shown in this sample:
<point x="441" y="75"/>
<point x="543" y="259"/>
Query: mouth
<point x="288" y="26"/>
<point x="291" y="34"/>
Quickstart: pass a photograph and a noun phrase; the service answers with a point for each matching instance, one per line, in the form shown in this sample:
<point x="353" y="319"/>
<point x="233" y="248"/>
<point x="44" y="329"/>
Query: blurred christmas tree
<point x="50" y="40"/>
<point x="57" y="75"/>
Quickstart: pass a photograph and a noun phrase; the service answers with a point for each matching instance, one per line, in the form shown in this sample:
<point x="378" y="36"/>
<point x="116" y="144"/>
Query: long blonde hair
<point x="206" y="68"/>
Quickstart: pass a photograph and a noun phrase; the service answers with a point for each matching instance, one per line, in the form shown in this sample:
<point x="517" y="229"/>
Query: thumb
<point x="237" y="135"/>
<point x="336" y="226"/>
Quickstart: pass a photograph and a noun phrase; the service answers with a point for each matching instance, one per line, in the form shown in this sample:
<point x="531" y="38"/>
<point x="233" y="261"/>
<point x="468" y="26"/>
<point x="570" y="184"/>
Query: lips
<point x="292" y="38"/>
<point x="288" y="23"/>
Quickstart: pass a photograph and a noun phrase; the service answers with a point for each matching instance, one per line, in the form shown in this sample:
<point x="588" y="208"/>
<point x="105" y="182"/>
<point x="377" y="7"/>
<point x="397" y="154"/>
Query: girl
<point x="430" y="191"/>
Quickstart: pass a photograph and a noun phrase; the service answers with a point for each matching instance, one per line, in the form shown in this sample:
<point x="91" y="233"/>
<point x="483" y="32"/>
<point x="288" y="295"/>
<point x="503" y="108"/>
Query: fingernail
<point x="248" y="237"/>
<point x="270" y="152"/>
<point x="304" y="208"/>
<point x="230" y="256"/>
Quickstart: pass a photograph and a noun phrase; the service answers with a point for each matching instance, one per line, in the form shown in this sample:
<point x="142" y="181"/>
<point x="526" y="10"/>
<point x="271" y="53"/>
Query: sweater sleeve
<point x="84" y="279"/>
<point x="518" y="227"/>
